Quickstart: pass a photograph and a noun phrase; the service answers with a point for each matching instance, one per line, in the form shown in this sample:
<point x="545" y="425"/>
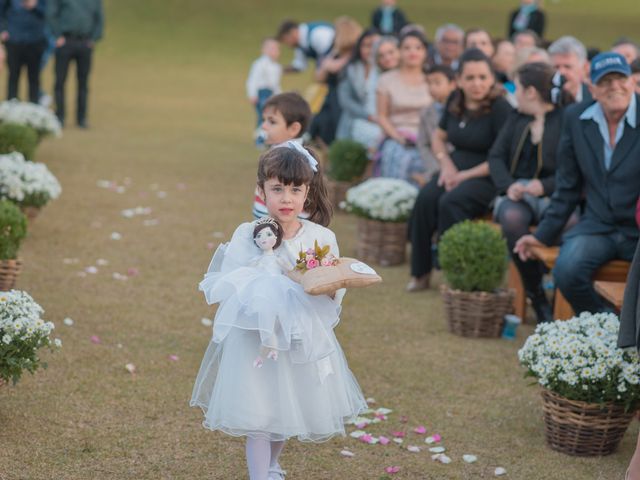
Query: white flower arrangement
<point x="26" y="183"/>
<point x="579" y="360"/>
<point x="33" y="115"/>
<point x="22" y="334"/>
<point x="384" y="199"/>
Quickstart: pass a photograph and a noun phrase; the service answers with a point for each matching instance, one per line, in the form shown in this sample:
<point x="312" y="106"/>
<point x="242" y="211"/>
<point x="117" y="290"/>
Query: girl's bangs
<point x="289" y="167"/>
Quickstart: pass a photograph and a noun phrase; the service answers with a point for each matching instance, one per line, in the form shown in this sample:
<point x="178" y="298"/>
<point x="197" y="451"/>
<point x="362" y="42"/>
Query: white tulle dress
<point x="306" y="390"/>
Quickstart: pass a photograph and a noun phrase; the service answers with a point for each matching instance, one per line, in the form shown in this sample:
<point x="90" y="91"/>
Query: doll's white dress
<point x="308" y="391"/>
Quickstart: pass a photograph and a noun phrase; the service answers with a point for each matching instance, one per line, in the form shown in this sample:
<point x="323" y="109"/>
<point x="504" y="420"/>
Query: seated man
<point x="598" y="154"/>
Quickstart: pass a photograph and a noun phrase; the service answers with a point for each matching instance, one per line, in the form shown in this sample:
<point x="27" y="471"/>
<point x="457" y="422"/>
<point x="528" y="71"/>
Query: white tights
<point x="261" y="456"/>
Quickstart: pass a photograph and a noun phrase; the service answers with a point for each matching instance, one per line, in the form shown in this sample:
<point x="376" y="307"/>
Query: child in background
<point x="286" y="117"/>
<point x="264" y="79"/>
<point x="441" y="82"/>
<point x="388" y="19"/>
<point x="285" y="395"/>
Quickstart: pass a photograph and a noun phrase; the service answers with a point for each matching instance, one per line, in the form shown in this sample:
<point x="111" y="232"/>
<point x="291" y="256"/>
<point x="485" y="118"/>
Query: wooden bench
<point x="614" y="271"/>
<point x="613" y="292"/>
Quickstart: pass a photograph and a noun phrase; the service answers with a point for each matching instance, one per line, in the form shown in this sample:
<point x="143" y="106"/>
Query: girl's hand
<point x="535" y="188"/>
<point x="516" y="191"/>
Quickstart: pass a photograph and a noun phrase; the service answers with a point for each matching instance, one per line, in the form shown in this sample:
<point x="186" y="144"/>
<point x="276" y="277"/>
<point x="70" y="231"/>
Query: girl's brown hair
<point x="547" y="82"/>
<point x="292" y="167"/>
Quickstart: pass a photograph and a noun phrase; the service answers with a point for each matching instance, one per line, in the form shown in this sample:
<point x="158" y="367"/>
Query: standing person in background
<point x="388" y="19"/>
<point x="402" y="94"/>
<point x="480" y="39"/>
<point x="527" y="17"/>
<point x="449" y="46"/>
<point x="264" y="79"/>
<point x="569" y="57"/>
<point x="77" y="25"/>
<point x="525" y="39"/>
<point x="22" y="25"/>
<point x="473" y="116"/>
<point x="313" y="40"/>
<point x="627" y="48"/>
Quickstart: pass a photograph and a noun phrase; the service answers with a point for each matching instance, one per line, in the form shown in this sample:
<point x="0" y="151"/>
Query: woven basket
<point x="583" y="429"/>
<point x="476" y="314"/>
<point x="30" y="212"/>
<point x="384" y="243"/>
<point x="337" y="192"/>
<point x="9" y="271"/>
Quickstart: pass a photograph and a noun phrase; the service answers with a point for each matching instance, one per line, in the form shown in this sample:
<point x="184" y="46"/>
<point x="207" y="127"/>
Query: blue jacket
<point x="24" y="26"/>
<point x="610" y="195"/>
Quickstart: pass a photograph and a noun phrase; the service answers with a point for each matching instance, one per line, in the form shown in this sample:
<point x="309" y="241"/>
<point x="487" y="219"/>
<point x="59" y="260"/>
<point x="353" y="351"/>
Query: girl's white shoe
<point x="276" y="473"/>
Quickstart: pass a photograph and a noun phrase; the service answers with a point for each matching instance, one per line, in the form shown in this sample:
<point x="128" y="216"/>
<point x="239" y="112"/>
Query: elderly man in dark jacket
<point x="77" y="25"/>
<point x="599" y="156"/>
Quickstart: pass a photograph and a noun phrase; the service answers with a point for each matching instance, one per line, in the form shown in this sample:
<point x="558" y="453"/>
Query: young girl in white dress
<point x="274" y="369"/>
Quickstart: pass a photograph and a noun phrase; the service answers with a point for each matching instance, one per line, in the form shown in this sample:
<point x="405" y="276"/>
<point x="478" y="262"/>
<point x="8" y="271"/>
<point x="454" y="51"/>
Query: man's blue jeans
<point x="577" y="262"/>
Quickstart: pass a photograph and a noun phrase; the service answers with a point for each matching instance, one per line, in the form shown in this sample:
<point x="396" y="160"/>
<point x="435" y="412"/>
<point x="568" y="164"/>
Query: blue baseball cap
<point x="608" y="62"/>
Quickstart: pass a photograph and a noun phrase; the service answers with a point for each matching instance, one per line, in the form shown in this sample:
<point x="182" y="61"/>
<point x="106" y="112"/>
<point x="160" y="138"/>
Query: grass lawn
<point x="168" y="113"/>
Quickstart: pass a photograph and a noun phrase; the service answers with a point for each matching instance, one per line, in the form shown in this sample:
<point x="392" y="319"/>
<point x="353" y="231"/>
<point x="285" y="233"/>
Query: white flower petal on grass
<point x="207" y="322"/>
<point x="116" y="236"/>
<point x="499" y="471"/>
<point x="383" y="411"/>
<point x="371" y="400"/>
<point x="91" y="269"/>
<point x="469" y="458"/>
<point x="413" y="448"/>
<point x="119" y="276"/>
<point x="68" y="322"/>
<point x="346" y="453"/>
<point x="437" y="449"/>
<point x="357" y="433"/>
<point x="57" y="342"/>
<point x="102" y="262"/>
<point x="130" y="367"/>
<point x="441" y="457"/>
<point x="398" y="441"/>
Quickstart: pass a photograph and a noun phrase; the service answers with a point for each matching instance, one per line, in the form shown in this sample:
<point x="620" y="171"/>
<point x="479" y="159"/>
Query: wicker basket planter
<point x="583" y="429"/>
<point x="30" y="212"/>
<point x="337" y="192"/>
<point x="9" y="271"/>
<point x="476" y="314"/>
<point x="384" y="243"/>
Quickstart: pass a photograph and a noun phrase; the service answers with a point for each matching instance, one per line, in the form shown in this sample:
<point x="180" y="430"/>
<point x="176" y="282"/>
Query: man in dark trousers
<point x="77" y="25"/>
<point x="22" y="29"/>
<point x="598" y="158"/>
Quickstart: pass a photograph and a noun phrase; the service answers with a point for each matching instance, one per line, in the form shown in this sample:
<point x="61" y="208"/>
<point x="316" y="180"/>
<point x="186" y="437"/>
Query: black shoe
<point x="542" y="307"/>
<point x="83" y="124"/>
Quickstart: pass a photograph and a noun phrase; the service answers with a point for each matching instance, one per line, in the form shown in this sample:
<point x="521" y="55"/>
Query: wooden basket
<point x="337" y="192"/>
<point x="476" y="314"/>
<point x="583" y="429"/>
<point x="30" y="212"/>
<point x="384" y="243"/>
<point x="9" y="271"/>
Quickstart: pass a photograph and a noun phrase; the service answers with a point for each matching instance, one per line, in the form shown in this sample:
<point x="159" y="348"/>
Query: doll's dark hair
<point x="291" y="167"/>
<point x="273" y="225"/>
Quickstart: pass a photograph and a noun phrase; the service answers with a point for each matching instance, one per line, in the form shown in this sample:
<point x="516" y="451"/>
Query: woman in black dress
<point x="527" y="17"/>
<point x="471" y="121"/>
<point x="522" y="163"/>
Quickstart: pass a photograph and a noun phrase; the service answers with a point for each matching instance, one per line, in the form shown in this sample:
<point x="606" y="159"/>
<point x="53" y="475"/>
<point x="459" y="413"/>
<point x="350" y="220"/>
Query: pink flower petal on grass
<point x="366" y="438"/>
<point x="380" y="416"/>
<point x="383" y="440"/>
<point x="174" y="358"/>
<point x="210" y="245"/>
<point x="398" y="434"/>
<point x="392" y="470"/>
<point x="132" y="271"/>
<point x="95" y="340"/>
<point x="421" y="429"/>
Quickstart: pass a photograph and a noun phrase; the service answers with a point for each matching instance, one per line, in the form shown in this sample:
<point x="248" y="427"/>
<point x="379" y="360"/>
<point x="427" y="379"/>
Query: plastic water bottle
<point x="511" y="323"/>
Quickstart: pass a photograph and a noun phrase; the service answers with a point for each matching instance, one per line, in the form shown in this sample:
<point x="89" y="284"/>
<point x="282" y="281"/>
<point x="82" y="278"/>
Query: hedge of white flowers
<point x="26" y="183"/>
<point x="384" y="199"/>
<point x="22" y="334"/>
<point x="36" y="116"/>
<point x="579" y="360"/>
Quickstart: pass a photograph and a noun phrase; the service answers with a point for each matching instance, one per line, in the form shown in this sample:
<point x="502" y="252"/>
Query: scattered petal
<point x="433" y="439"/>
<point x="70" y="261"/>
<point x="421" y="429"/>
<point x="404" y="419"/>
<point x="103" y="184"/>
<point x="273" y="355"/>
<point x="371" y="400"/>
<point x="258" y="362"/>
<point x="383" y="440"/>
<point x="68" y="322"/>
<point x="116" y="236"/>
<point x="393" y="469"/>
<point x="95" y="340"/>
<point x="174" y="358"/>
<point x="357" y="433"/>
<point x="398" y="441"/>
<point x="383" y="411"/>
<point x="437" y="449"/>
<point x="131" y="368"/>
<point x="398" y="434"/>
<point x="119" y="345"/>
<point x="91" y="269"/>
<point x="413" y="449"/>
<point x="469" y="458"/>
<point x="441" y="457"/>
<point x="119" y="276"/>
<point x="218" y="235"/>
<point x="346" y="453"/>
<point x="161" y="194"/>
<point x="102" y="262"/>
<point x="120" y="189"/>
<point x="207" y="322"/>
<point x="210" y="245"/>
<point x="132" y="271"/>
<point x="367" y="438"/>
<point x="500" y="471"/>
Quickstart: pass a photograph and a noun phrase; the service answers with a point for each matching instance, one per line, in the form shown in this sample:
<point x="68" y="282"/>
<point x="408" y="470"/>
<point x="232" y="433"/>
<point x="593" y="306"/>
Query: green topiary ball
<point x="473" y="256"/>
<point x="18" y="138"/>
<point x="13" y="228"/>
<point x="347" y="160"/>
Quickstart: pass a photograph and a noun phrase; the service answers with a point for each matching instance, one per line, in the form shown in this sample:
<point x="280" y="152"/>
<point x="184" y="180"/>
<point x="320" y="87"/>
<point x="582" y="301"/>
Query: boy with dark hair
<point x="286" y="117"/>
<point x="441" y="81"/>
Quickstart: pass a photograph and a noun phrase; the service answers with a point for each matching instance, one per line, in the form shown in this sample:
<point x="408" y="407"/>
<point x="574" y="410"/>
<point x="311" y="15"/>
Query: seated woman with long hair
<point x="471" y="121"/>
<point x="522" y="163"/>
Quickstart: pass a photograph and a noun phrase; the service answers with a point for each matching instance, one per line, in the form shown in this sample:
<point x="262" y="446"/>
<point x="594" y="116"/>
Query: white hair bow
<point x="313" y="163"/>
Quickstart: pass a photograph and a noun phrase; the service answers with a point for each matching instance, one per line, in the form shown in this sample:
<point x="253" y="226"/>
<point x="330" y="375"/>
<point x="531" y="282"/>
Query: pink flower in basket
<point x="312" y="263"/>
<point x="325" y="262"/>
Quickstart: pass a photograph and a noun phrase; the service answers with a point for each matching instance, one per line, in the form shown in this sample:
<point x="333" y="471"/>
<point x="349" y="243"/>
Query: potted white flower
<point x="33" y="115"/>
<point x="30" y="185"/>
<point x="590" y="387"/>
<point x="13" y="229"/>
<point x="383" y="206"/>
<point x="22" y="334"/>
